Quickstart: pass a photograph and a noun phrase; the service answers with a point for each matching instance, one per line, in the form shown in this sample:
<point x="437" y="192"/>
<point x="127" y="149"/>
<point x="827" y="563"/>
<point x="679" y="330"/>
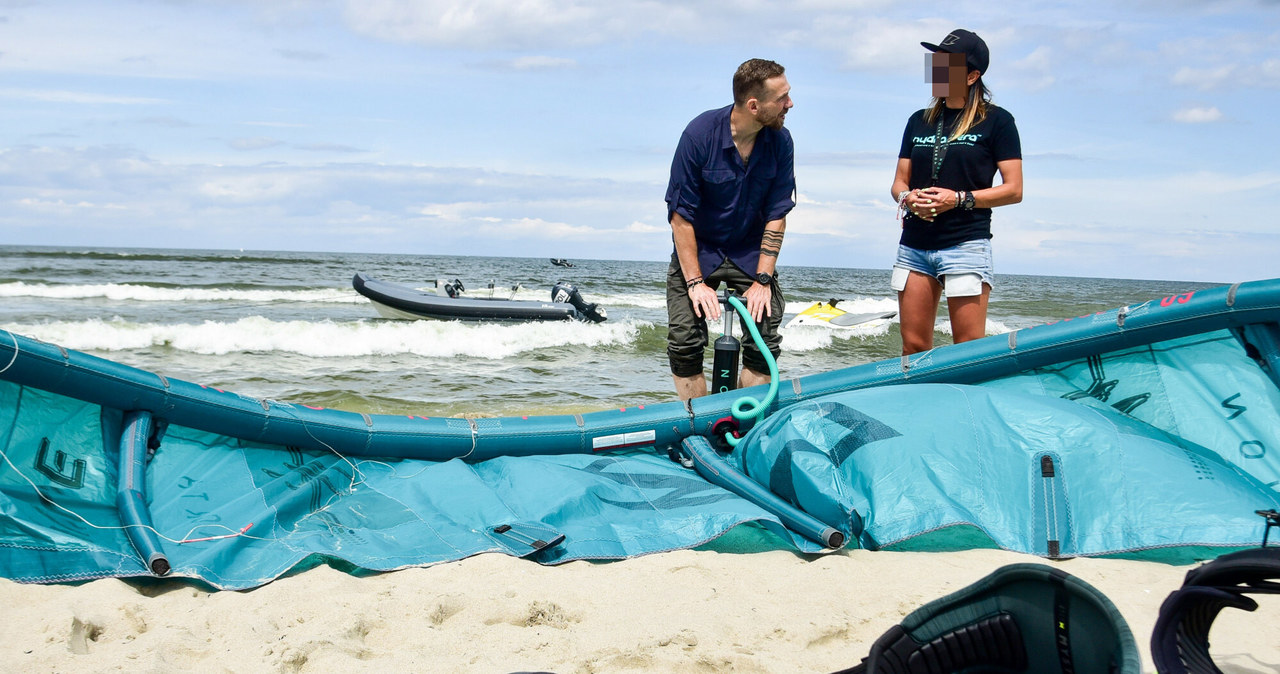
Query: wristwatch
<point x="764" y="279"/>
<point x="967" y="203"/>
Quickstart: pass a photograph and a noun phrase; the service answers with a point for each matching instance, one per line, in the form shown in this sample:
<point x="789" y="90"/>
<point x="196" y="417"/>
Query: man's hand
<point x="759" y="302"/>
<point x="706" y="304"/>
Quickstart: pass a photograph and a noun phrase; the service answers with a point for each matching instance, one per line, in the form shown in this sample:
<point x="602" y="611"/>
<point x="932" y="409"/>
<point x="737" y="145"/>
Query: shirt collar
<point x="726" y="132"/>
<point x="763" y="137"/>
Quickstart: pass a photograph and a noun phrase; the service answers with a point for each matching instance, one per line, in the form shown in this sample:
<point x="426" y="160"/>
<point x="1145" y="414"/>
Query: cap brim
<point x="931" y="47"/>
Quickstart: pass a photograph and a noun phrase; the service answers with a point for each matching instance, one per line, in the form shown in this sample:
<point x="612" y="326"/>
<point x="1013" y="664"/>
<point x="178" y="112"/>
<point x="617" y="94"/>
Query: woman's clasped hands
<point x="930" y="202"/>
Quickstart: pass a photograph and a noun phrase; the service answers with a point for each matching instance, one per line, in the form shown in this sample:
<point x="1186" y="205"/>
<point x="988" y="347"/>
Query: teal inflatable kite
<point x="1152" y="429"/>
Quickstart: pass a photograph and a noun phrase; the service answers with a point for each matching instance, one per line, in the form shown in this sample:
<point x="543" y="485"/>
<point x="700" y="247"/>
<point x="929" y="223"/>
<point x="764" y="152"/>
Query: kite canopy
<point x="1032" y="473"/>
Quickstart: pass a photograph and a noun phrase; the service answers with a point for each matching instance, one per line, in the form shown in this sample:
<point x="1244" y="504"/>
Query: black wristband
<point x="688" y="285"/>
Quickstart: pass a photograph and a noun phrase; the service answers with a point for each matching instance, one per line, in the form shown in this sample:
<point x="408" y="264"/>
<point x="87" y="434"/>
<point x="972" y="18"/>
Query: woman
<point x="950" y="154"/>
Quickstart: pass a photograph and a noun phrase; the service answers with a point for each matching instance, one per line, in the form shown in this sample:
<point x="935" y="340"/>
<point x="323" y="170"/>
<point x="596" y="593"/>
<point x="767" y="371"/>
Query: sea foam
<point x="142" y="293"/>
<point x="329" y="339"/>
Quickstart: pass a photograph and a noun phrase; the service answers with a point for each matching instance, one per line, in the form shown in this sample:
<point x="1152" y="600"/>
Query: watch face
<point x="764" y="279"/>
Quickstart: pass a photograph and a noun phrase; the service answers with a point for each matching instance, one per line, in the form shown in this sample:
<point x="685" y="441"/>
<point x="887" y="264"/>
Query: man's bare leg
<point x="694" y="386"/>
<point x="749" y="377"/>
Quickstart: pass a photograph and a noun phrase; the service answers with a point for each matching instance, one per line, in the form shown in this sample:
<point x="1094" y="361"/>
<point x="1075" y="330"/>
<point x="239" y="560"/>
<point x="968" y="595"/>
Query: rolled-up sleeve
<point x="781" y="197"/>
<point x="684" y="190"/>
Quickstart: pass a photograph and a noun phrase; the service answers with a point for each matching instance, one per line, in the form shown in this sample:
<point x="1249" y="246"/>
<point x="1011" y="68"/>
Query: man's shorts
<point x="687" y="333"/>
<point x="961" y="269"/>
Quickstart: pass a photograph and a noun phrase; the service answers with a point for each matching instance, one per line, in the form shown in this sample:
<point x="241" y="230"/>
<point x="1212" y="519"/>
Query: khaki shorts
<point x="687" y="333"/>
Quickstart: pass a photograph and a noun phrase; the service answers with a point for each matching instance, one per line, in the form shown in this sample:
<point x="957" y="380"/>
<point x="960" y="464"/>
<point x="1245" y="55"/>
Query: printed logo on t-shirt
<point x="966" y="139"/>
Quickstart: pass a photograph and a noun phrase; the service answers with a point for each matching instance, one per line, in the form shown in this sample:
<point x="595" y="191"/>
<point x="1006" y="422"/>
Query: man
<point x="732" y="185"/>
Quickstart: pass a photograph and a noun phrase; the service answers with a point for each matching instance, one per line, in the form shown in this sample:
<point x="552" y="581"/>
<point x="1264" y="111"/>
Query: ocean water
<point x="288" y="326"/>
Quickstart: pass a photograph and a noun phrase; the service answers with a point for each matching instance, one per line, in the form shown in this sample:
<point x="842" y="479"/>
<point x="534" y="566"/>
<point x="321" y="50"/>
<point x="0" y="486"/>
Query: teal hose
<point x="756" y="407"/>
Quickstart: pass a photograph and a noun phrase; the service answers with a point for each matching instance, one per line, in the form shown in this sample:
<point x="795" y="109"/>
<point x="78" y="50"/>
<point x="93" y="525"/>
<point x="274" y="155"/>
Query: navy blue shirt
<point x="728" y="203"/>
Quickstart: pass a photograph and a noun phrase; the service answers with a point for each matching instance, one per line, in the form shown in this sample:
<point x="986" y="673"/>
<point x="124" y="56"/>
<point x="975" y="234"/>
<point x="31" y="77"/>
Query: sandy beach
<point x="685" y="611"/>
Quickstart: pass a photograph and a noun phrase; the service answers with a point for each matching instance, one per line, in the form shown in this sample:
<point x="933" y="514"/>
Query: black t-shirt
<point x="969" y="164"/>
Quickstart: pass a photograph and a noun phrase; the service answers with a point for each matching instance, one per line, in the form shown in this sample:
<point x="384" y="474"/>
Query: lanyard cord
<point x="939" y="150"/>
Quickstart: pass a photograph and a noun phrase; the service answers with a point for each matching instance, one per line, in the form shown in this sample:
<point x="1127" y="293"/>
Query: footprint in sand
<point x="546" y="613"/>
<point x="442" y="612"/>
<point x="82" y="634"/>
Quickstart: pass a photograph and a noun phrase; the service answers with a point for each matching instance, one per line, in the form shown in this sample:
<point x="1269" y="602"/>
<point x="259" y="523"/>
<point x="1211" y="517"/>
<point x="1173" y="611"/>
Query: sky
<point x="545" y="128"/>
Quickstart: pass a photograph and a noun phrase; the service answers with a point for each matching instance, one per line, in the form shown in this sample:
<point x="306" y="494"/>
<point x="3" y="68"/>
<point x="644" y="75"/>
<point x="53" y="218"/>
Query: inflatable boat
<point x="449" y="302"/>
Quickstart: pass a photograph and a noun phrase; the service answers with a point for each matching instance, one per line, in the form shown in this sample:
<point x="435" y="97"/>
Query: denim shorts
<point x="970" y="257"/>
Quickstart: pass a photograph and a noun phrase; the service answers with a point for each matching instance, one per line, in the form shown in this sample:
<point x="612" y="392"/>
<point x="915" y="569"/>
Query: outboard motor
<point x="567" y="292"/>
<point x="454" y="289"/>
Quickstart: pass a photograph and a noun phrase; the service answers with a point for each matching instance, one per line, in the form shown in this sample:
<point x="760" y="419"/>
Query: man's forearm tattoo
<point x="771" y="244"/>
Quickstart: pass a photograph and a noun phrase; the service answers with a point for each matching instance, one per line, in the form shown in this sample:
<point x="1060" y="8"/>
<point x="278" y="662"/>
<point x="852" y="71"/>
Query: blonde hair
<point x="975" y="109"/>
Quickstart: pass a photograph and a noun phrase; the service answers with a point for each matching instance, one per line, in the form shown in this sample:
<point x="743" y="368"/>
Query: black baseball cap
<point x="961" y="41"/>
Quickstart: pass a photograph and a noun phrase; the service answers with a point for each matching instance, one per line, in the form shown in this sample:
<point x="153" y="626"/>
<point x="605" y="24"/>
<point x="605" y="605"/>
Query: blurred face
<point x="773" y="104"/>
<point x="947" y="73"/>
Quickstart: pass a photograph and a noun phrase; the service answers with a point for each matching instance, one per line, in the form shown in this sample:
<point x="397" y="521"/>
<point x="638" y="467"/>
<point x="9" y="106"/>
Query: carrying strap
<point x="1180" y="640"/>
<point x="994" y="643"/>
<point x="1020" y="618"/>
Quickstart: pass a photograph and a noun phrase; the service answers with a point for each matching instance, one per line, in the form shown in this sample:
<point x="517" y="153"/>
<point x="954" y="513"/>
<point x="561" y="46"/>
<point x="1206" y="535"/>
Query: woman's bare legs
<point x="918" y="311"/>
<point x="969" y="316"/>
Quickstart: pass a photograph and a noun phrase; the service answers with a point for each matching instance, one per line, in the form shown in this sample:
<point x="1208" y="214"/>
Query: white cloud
<point x="1035" y="71"/>
<point x="1197" y="115"/>
<point x="249" y="186"/>
<point x="638" y="227"/>
<point x="283" y="125"/>
<point x="77" y="97"/>
<point x="63" y="208"/>
<point x="170" y="122"/>
<point x="1205" y="78"/>
<point x="540" y="24"/>
<point x="1252" y="74"/>
<point x="873" y="43"/>
<point x="250" y="144"/>
<point x="456" y="211"/>
<point x="538" y="228"/>
<point x="464" y="23"/>
<point x="302" y="54"/>
<point x="855" y="221"/>
<point x="540" y="63"/>
<point x="1125" y="228"/>
<point x="397" y="81"/>
<point x="327" y="147"/>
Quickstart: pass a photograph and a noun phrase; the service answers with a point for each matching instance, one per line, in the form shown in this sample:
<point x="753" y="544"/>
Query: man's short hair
<point x="748" y="82"/>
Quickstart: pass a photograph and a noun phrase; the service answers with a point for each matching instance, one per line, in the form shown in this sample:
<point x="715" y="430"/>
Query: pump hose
<point x="756" y="407"/>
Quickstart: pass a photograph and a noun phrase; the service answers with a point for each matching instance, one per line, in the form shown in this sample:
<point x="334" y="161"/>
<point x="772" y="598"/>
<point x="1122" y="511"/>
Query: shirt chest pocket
<point x="759" y="183"/>
<point x="720" y="186"/>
